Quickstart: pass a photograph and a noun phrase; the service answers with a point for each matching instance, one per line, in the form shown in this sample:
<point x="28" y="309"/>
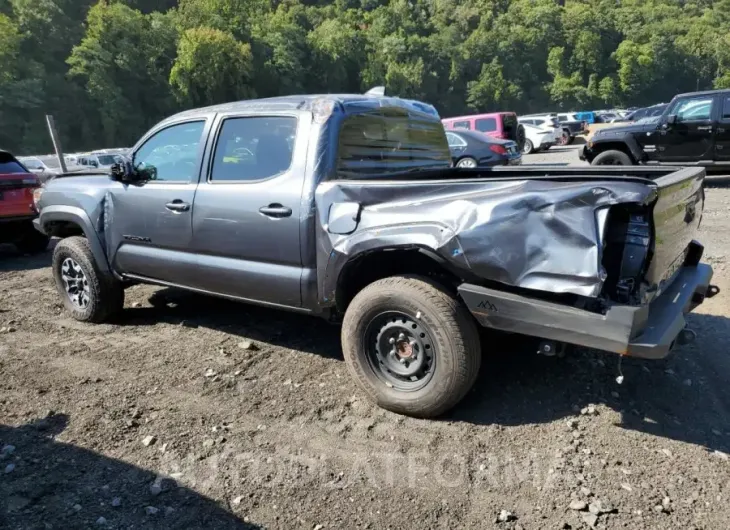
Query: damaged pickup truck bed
<point x="346" y="206"/>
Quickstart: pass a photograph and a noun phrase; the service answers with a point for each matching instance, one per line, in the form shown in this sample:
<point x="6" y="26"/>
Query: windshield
<point x="388" y="141"/>
<point x="32" y="163"/>
<point x="107" y="160"/>
<point x="50" y="161"/>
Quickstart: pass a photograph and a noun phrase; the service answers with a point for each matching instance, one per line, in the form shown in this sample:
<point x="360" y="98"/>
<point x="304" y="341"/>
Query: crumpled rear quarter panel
<point x="535" y="234"/>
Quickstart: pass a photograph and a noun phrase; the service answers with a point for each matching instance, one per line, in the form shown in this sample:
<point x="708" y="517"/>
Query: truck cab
<point x="694" y="129"/>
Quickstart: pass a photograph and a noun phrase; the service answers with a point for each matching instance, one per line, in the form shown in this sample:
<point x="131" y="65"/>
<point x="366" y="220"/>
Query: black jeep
<point x="694" y="129"/>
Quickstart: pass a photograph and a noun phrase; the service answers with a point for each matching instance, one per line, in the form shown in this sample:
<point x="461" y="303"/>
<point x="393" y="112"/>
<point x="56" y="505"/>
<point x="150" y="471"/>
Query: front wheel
<point x="467" y="162"/>
<point x="412" y="347"/>
<point x="89" y="294"/>
<point x="612" y="158"/>
<point x="528" y="148"/>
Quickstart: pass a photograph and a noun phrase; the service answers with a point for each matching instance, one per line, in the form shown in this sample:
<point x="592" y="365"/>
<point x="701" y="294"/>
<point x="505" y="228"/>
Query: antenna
<point x="376" y="91"/>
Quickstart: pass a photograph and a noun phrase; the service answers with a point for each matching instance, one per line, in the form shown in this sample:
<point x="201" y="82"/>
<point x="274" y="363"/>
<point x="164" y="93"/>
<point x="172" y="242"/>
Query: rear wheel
<point x="564" y="138"/>
<point x="32" y="242"/>
<point x="612" y="158"/>
<point x="468" y="162"/>
<point x="528" y="147"/>
<point x="89" y="294"/>
<point x="412" y="347"/>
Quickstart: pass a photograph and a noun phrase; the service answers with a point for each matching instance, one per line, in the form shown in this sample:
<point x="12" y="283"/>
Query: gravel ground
<point x="557" y="156"/>
<point x="198" y="413"/>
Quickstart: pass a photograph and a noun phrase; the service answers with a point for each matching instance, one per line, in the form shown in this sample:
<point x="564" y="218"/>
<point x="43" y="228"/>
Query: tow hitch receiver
<point x="712" y="290"/>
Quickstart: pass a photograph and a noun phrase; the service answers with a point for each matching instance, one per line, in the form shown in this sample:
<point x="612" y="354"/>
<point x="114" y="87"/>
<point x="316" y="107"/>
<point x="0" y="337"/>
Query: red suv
<point x="497" y="124"/>
<point x="17" y="209"/>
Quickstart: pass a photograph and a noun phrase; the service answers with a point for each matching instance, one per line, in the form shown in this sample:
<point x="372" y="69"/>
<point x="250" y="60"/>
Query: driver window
<point x="694" y="109"/>
<point x="172" y="153"/>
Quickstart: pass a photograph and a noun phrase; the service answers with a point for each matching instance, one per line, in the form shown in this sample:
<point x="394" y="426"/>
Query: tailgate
<point x="677" y="214"/>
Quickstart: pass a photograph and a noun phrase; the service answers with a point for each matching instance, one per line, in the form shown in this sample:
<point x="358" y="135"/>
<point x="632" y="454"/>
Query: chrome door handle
<point x="178" y="206"/>
<point x="275" y="210"/>
<point x="708" y="128"/>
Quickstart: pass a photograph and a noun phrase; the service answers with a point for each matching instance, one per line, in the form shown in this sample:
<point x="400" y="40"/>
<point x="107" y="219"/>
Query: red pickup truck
<point x="17" y="209"/>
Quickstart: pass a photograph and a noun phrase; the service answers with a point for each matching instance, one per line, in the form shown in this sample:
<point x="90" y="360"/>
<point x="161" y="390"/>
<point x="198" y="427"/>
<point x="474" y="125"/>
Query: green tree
<point x="211" y="67"/>
<point x="124" y="64"/>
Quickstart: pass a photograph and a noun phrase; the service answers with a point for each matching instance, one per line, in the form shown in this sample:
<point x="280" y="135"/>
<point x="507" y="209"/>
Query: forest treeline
<point x="109" y="69"/>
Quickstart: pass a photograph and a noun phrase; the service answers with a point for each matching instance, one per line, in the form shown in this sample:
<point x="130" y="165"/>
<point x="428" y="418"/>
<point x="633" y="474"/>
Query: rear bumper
<point x="18" y="219"/>
<point x="648" y="332"/>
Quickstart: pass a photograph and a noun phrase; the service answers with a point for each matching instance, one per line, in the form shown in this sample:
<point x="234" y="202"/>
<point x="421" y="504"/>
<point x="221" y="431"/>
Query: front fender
<point x="73" y="214"/>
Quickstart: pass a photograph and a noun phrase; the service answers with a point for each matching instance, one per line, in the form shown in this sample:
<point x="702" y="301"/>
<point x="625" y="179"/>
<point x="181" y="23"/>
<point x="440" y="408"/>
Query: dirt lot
<point x="257" y="424"/>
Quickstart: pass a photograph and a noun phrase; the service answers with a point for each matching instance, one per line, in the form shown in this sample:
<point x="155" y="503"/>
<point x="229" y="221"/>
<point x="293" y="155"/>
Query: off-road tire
<point x="612" y="157"/>
<point x="106" y="294"/>
<point x="453" y="332"/>
<point x="32" y="242"/>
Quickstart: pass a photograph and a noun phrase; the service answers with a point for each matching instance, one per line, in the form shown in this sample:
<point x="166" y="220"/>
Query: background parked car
<point x="502" y="125"/>
<point x="474" y="149"/>
<point x="536" y="139"/>
<point x="646" y="112"/>
<point x="546" y="122"/>
<point x="572" y="125"/>
<point x="17" y="209"/>
<point x="41" y="166"/>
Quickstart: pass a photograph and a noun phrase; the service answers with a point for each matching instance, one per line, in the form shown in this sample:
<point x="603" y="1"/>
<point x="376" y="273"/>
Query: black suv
<point x="694" y="129"/>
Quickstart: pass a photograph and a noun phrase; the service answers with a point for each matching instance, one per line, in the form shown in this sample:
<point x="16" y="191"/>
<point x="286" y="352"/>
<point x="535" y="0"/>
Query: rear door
<point x="691" y="137"/>
<point x="247" y="215"/>
<point x="722" y="134"/>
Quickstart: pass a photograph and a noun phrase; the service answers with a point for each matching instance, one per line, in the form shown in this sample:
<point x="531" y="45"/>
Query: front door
<point x="151" y="221"/>
<point x="248" y="215"/>
<point x="691" y="137"/>
<point x="722" y="134"/>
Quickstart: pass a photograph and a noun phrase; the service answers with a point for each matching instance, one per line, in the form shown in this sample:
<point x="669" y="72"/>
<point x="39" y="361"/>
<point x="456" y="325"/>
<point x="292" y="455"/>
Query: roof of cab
<point x="348" y="102"/>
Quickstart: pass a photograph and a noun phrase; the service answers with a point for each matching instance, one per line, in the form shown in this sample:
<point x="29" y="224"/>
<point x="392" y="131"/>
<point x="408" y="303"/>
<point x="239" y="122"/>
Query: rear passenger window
<point x="254" y="148"/>
<point x="462" y="125"/>
<point x="726" y="109"/>
<point x="486" y="124"/>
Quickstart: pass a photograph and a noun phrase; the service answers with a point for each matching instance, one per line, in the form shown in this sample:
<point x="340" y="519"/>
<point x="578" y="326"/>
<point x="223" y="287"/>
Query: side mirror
<point x="123" y="172"/>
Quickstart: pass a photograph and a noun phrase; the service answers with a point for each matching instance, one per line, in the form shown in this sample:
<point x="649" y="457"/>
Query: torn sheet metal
<point x="535" y="234"/>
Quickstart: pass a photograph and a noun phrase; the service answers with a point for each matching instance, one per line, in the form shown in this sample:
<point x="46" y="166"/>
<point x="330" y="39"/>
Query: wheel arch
<point x="66" y="221"/>
<point x="619" y="145"/>
<point x="372" y="265"/>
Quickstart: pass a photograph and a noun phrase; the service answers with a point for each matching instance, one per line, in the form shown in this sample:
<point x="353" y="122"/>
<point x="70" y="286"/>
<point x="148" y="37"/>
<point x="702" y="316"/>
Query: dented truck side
<point x="369" y="223"/>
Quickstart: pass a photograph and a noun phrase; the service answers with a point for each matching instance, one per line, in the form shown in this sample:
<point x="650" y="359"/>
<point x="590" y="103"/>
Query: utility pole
<point x="56" y="142"/>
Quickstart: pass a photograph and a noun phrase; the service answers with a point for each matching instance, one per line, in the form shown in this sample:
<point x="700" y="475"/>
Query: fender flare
<point x="79" y="217"/>
<point x="434" y="240"/>
<point x="636" y="151"/>
<point x="629" y="141"/>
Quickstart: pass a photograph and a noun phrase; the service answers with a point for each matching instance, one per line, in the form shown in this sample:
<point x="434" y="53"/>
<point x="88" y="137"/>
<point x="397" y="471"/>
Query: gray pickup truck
<point x="348" y="207"/>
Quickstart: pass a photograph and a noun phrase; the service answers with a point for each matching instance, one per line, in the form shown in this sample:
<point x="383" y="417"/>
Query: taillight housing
<point x="499" y="149"/>
<point x="37" y="198"/>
